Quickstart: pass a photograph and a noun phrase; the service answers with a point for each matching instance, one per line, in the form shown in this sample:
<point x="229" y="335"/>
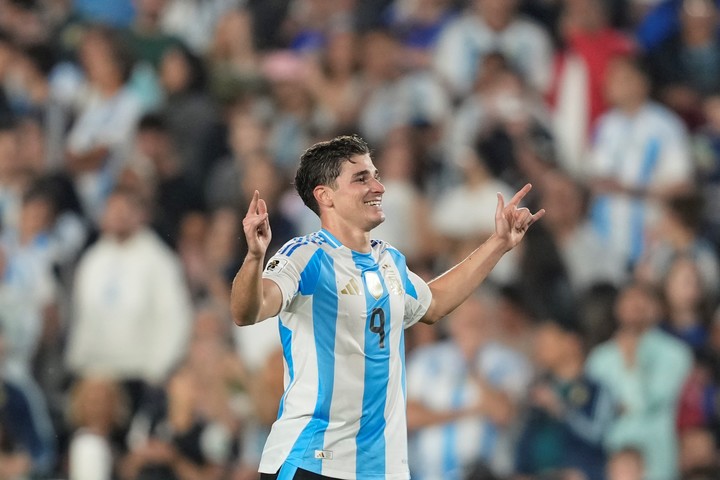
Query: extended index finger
<point x="515" y="201"/>
<point x="252" y="209"/>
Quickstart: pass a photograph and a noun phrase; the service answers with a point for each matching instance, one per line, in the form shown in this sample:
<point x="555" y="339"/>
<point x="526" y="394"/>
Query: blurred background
<point x="133" y="133"/>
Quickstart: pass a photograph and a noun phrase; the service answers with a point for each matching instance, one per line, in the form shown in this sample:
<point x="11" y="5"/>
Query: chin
<point x="377" y="221"/>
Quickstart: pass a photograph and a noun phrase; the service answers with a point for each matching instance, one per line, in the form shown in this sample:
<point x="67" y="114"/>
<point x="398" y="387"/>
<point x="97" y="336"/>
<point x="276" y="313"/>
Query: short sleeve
<point x="417" y="298"/>
<point x="285" y="268"/>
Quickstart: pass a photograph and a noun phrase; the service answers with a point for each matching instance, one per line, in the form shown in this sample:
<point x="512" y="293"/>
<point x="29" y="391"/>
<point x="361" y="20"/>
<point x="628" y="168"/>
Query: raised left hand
<point x="511" y="221"/>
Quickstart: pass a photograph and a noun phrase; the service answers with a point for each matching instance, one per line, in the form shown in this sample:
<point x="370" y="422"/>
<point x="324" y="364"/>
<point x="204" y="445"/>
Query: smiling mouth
<point x="374" y="203"/>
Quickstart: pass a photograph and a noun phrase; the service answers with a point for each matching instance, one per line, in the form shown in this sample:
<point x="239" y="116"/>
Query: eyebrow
<point x="363" y="173"/>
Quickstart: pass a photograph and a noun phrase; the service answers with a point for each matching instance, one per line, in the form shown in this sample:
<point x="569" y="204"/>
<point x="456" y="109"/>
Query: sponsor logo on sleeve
<point x="275" y="265"/>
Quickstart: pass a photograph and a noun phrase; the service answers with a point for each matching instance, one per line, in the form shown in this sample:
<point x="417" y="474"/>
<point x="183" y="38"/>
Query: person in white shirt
<point x="640" y="154"/>
<point x="131" y="305"/>
<point x="463" y="395"/>
<point x="493" y="26"/>
<point x="343" y="302"/>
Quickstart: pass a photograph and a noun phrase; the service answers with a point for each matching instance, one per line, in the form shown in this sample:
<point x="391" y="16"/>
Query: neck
<point x="570" y="369"/>
<point x="683" y="317"/>
<point x="353" y="238"/>
<point x="631" y="108"/>
<point x="109" y="88"/>
<point x="694" y="38"/>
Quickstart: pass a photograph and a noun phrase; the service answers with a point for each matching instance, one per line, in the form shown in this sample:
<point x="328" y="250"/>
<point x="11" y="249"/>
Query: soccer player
<point x="343" y="302"/>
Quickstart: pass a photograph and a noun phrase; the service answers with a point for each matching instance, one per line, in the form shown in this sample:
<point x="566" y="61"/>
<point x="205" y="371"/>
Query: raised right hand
<point x="257" y="227"/>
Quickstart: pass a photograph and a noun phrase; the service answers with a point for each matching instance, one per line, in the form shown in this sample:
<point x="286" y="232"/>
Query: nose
<point x="377" y="186"/>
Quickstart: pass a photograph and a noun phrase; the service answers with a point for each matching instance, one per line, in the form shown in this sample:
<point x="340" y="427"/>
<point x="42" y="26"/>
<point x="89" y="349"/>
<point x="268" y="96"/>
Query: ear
<point x="323" y="196"/>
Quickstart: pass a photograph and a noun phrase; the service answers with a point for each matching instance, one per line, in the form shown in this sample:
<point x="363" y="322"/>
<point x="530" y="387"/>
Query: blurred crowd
<point x="133" y="133"/>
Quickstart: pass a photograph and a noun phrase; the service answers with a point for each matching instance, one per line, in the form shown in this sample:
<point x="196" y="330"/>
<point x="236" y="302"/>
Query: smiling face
<point x="356" y="197"/>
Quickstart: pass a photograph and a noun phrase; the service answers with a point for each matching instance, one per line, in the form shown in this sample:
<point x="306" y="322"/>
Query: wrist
<point x="254" y="257"/>
<point x="499" y="244"/>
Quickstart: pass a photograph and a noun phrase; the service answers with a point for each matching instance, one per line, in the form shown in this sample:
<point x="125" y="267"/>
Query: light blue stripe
<point x="287" y="472"/>
<point x="451" y="467"/>
<point x="286" y="342"/>
<point x="370" y="440"/>
<point x="401" y="265"/>
<point x="600" y="217"/>
<point x="311" y="273"/>
<point x="324" y="311"/>
<point x="637" y="215"/>
<point x="402" y="362"/>
<point x="330" y="238"/>
<point x="489" y="439"/>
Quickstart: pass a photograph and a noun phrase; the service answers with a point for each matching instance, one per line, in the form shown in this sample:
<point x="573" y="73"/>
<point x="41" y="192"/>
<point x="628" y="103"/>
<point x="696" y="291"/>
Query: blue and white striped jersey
<point x="342" y="331"/>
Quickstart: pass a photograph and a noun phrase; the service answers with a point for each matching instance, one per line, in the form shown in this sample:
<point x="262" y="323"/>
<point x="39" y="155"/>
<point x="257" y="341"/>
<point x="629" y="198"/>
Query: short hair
<point x="154" y="122"/>
<point x="321" y="165"/>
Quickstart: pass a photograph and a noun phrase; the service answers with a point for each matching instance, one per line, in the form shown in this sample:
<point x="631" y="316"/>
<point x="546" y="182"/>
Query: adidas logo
<point x="351" y="288"/>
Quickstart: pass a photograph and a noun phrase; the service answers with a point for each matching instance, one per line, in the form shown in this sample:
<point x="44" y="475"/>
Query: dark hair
<point x="197" y="70"/>
<point x="688" y="209"/>
<point x="321" y="164"/>
<point x="118" y="47"/>
<point x="153" y="122"/>
<point x="42" y="56"/>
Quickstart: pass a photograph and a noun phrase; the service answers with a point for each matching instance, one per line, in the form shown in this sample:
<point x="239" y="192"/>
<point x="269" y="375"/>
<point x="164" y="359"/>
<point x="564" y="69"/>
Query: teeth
<point x="374" y="203"/>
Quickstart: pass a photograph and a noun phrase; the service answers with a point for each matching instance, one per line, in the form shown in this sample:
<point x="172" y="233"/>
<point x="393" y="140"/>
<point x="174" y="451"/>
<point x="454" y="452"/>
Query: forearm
<point x="419" y="416"/>
<point x="497" y="406"/>
<point x="454" y="286"/>
<point x="87" y="161"/>
<point x="246" y="296"/>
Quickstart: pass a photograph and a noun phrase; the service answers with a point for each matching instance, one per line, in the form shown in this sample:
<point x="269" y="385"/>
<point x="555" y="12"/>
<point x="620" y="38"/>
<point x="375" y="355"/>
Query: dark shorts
<point x="299" y="474"/>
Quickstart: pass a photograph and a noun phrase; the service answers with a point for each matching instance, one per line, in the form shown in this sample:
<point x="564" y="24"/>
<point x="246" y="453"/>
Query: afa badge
<point x="391" y="280"/>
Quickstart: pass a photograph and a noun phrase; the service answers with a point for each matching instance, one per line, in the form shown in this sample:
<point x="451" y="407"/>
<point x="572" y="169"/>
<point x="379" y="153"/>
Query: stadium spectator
<point x="295" y="116"/>
<point x="333" y="78"/>
<point x="687" y="312"/>
<point x="393" y="95"/>
<point x="145" y="35"/>
<point x="578" y="244"/>
<point x="640" y="154"/>
<point x="233" y="61"/>
<point x="98" y="411"/>
<point x="626" y="464"/>
<point x="569" y="413"/>
<point x="678" y="233"/>
<point x="487" y="26"/>
<point x="28" y="287"/>
<point x="26" y="432"/>
<point x="155" y="160"/>
<point x="460" y="229"/>
<point x="248" y="142"/>
<point x="706" y="153"/>
<point x="191" y="115"/>
<point x="463" y="397"/>
<point x="576" y="93"/>
<point x="99" y="140"/>
<point x="698" y="451"/>
<point x="418" y="24"/>
<point x="131" y="306"/>
<point x="686" y="66"/>
<point x="176" y="440"/>
<point x="194" y="22"/>
<point x="644" y="369"/>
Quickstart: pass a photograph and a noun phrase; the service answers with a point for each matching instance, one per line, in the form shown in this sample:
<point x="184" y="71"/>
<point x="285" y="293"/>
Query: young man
<point x="343" y="301"/>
